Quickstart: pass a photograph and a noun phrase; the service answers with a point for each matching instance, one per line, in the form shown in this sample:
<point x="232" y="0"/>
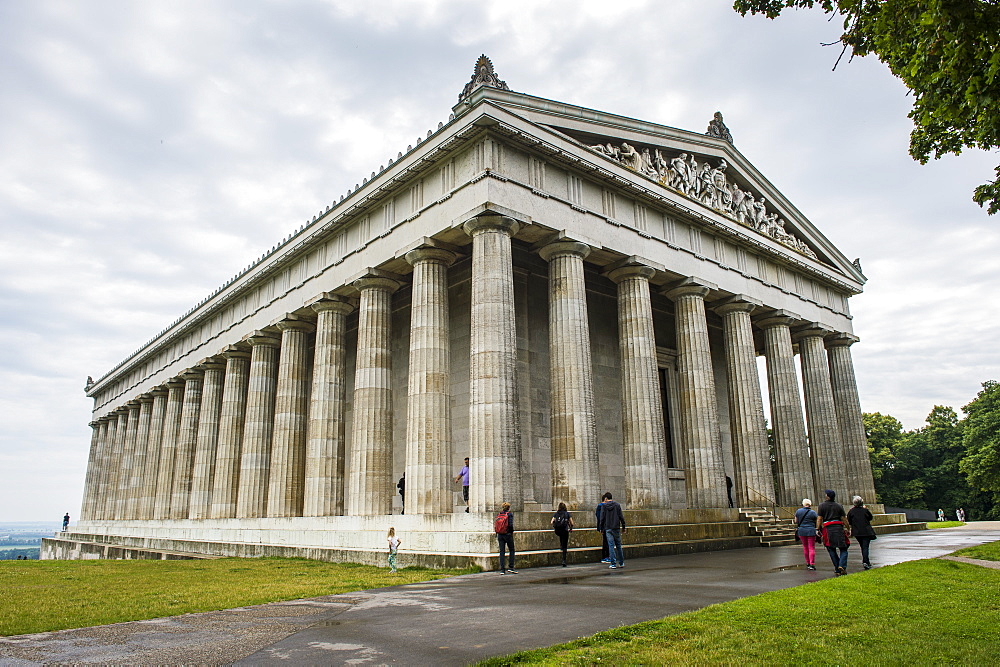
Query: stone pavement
<point x="463" y="619"/>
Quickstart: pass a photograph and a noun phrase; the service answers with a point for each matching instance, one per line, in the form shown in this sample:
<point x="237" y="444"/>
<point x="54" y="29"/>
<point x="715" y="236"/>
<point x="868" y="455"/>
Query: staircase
<point x="773" y="531"/>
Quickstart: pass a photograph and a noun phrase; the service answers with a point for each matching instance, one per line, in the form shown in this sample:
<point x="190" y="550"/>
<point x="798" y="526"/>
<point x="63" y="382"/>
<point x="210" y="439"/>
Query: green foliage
<point x="947" y="52"/>
<point x="944" y="524"/>
<point x="884" y="433"/>
<point x="988" y="551"/>
<point x="981" y="464"/>
<point x="868" y="617"/>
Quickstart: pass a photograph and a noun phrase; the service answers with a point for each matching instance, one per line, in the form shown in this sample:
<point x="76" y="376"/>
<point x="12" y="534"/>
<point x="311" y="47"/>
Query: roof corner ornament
<point x="857" y="264"/>
<point x="718" y="129"/>
<point x="483" y="75"/>
<point x="90" y="383"/>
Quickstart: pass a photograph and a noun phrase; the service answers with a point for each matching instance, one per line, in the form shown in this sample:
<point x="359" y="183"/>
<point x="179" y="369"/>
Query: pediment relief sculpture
<point x="709" y="185"/>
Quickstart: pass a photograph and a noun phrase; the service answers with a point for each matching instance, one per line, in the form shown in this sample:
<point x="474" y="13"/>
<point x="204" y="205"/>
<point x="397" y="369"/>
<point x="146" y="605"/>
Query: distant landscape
<point x="24" y="538"/>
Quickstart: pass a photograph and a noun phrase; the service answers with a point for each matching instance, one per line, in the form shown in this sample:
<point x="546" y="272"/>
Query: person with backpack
<point x="613" y="525"/>
<point x="562" y="524"/>
<point x="805" y="530"/>
<point x="503" y="526"/>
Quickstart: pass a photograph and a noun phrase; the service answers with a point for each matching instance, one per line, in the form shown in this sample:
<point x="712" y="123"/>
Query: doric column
<point x="370" y="489"/>
<point x="109" y="466"/>
<point x="125" y="460"/>
<point x="646" y="484"/>
<point x="428" y="415"/>
<point x="101" y="471"/>
<point x="93" y="467"/>
<point x="494" y="446"/>
<point x="168" y="449"/>
<point x="791" y="448"/>
<point x="187" y="440"/>
<point x="706" y="477"/>
<point x="751" y="460"/>
<point x="133" y="499"/>
<point x="115" y="491"/>
<point x="203" y="472"/>
<point x="575" y="469"/>
<point x="857" y="463"/>
<point x="291" y="417"/>
<point x="324" y="484"/>
<point x="225" y="484"/>
<point x="157" y="417"/>
<point x="825" y="449"/>
<point x="255" y="458"/>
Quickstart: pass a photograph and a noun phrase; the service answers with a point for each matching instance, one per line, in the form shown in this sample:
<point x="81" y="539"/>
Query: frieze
<point x="700" y="181"/>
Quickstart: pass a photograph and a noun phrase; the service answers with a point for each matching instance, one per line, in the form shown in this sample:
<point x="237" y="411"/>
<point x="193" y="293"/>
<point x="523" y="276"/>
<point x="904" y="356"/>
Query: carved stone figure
<point x="648" y="167"/>
<point x="716" y="128"/>
<point x="483" y="75"/>
<point x="630" y="157"/>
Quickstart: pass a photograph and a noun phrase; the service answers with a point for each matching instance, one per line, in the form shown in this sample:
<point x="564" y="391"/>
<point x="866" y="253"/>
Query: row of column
<point x="260" y="430"/>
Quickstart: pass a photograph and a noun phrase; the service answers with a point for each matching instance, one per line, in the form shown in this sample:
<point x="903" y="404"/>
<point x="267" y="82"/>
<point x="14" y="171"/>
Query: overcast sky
<point x="150" y="150"/>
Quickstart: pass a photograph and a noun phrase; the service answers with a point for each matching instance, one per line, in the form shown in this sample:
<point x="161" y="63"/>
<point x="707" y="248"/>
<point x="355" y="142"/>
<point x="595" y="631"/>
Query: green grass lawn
<point x="916" y="613"/>
<point x="37" y="596"/>
<point x="945" y="524"/>
<point x="988" y="551"/>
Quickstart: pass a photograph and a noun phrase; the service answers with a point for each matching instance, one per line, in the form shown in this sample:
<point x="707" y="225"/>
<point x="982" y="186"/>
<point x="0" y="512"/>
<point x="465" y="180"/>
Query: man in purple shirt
<point x="463" y="476"/>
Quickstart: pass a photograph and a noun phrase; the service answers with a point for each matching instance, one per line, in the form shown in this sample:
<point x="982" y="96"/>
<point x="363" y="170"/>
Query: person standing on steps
<point x="860" y="518"/>
<point x="562" y="524"/>
<point x="613" y="524"/>
<point x="65" y="522"/>
<point x="401" y="485"/>
<point x="503" y="526"/>
<point x="805" y="520"/>
<point x="604" y="536"/>
<point x="463" y="477"/>
<point x="835" y="531"/>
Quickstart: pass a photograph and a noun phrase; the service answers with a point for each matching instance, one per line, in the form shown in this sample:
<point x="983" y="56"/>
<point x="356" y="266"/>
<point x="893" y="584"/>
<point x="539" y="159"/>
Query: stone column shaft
<point x="93" y="467"/>
<point x="494" y="444"/>
<point x="133" y="499"/>
<point x="291" y="418"/>
<point x="118" y="475"/>
<point x="325" y="455"/>
<point x="127" y="455"/>
<point x="370" y="475"/>
<point x="857" y="462"/>
<point x="108" y="465"/>
<point x="168" y="449"/>
<point x="203" y="473"/>
<point x="101" y="473"/>
<point x="157" y="418"/>
<point x="646" y="483"/>
<point x="428" y="415"/>
<point x="225" y="483"/>
<point x="825" y="449"/>
<point x="791" y="448"/>
<point x="258" y="427"/>
<point x="706" y="477"/>
<point x="187" y="440"/>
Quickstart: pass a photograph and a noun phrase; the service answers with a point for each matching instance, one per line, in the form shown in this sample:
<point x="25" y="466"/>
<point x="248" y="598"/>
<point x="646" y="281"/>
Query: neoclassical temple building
<point x="574" y="300"/>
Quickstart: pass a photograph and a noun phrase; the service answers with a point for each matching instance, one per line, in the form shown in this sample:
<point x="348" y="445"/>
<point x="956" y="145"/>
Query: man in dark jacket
<point x="612" y="523"/>
<point x="505" y="539"/>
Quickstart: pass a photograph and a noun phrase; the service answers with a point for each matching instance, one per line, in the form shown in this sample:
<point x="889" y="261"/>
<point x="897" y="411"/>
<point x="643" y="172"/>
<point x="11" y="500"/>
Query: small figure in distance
<point x="860" y="518"/>
<point x="394" y="543"/>
<point x="729" y="489"/>
<point x="613" y="524"/>
<point x="805" y="520"/>
<point x="835" y="531"/>
<point x="940" y="515"/>
<point x="65" y="522"/>
<point x="401" y="485"/>
<point x="463" y="477"/>
<point x="503" y="526"/>
<point x="562" y="524"/>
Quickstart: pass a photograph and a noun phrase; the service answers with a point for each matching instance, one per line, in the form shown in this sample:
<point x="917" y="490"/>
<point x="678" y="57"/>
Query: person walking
<point x="940" y="514"/>
<point x="613" y="525"/>
<point x="401" y="485"/>
<point x="860" y="518"/>
<point x="503" y="526"/>
<point x="394" y="543"/>
<point x="835" y="531"/>
<point x="805" y="521"/>
<point x="562" y="524"/>
<point x="604" y="536"/>
<point x="463" y="477"/>
<point x="65" y="522"/>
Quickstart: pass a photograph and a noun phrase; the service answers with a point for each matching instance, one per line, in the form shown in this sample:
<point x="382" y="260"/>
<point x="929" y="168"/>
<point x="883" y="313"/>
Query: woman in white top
<point x="394" y="543"/>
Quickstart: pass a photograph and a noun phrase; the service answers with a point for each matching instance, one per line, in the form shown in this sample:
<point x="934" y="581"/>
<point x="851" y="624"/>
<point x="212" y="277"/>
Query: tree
<point x="884" y="432"/>
<point x="981" y="463"/>
<point x="947" y="52"/>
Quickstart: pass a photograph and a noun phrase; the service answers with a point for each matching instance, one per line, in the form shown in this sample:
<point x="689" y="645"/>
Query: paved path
<point x="463" y="619"/>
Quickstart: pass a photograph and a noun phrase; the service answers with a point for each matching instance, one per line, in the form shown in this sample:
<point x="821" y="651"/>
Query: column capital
<point x="146" y="398"/>
<point x="95" y="424"/>
<point x="262" y="339"/>
<point x="487" y="222"/>
<point x="689" y="286"/>
<point x="810" y="330"/>
<point x="739" y="303"/>
<point x="841" y="339"/>
<point x="191" y="374"/>
<point x="777" y="318"/>
<point x="567" y="247"/>
<point x="374" y="281"/>
<point x="295" y="325"/>
<point x="212" y="363"/>
<point x="332" y="302"/>
<point x="629" y="271"/>
<point x="235" y="352"/>
<point x="430" y="254"/>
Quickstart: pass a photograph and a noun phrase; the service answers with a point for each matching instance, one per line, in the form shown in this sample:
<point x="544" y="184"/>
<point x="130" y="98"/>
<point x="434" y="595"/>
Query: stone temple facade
<point x="574" y="300"/>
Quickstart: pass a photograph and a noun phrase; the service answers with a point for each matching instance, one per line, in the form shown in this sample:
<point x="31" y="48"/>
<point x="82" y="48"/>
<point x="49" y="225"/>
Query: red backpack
<point x="501" y="524"/>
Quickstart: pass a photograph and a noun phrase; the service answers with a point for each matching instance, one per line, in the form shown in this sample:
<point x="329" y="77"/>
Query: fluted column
<point x="168" y="449"/>
<point x="127" y="458"/>
<point x="706" y="477"/>
<point x="494" y="445"/>
<point x="93" y="467"/>
<point x="117" y="459"/>
<point x="187" y="440"/>
<point x="754" y="483"/>
<point x="324" y="483"/>
<point x="291" y="417"/>
<point x="370" y="489"/>
<point x="791" y="448"/>
<point x="157" y="417"/>
<point x="857" y="463"/>
<point x="133" y="498"/>
<point x="258" y="428"/>
<point x="428" y="415"/>
<point x="207" y="440"/>
<point x="101" y="472"/>
<point x="225" y="483"/>
<point x="826" y="452"/>
<point x="109" y="465"/>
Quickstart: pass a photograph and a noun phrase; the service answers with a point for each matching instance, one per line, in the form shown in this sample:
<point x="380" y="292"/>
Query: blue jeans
<point x="842" y="560"/>
<point x="865" y="543"/>
<point x="506" y="541"/>
<point x="615" y="545"/>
